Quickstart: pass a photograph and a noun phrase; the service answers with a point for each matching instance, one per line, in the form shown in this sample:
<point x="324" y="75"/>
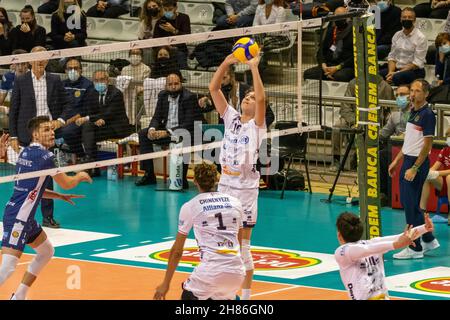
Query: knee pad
<point x="9" y="263"/>
<point x="247" y="255"/>
<point x="43" y="255"/>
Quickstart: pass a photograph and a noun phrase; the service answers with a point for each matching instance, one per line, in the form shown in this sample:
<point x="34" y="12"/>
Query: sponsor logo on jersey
<point x="434" y="285"/>
<point x="15" y="234"/>
<point x="263" y="259"/>
<point x="244" y="140"/>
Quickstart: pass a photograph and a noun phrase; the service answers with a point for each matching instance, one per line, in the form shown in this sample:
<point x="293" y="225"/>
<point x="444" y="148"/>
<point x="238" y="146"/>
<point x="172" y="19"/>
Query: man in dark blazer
<point x="37" y="93"/>
<point x="177" y="108"/>
<point x="106" y="116"/>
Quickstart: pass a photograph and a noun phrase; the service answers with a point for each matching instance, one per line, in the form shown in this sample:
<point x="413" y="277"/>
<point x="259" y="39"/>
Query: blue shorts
<point x="16" y="233"/>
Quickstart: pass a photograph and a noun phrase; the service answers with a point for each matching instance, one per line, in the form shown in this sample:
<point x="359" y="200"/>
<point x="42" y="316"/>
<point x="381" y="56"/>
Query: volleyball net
<point x="137" y="76"/>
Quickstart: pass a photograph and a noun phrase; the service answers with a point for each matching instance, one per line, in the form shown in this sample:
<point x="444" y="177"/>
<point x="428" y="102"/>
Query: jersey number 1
<point x="221" y="226"/>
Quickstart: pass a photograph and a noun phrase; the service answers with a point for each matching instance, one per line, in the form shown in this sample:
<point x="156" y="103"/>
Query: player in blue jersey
<point x="20" y="227"/>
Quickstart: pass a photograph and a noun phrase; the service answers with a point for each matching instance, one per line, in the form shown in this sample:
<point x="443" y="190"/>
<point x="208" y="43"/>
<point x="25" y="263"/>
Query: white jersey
<point x="216" y="218"/>
<point x="361" y="266"/>
<point x="240" y="150"/>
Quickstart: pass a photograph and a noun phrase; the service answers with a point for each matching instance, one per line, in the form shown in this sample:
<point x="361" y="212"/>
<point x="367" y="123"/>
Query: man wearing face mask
<point x="408" y="52"/>
<point x="442" y="64"/>
<point x="77" y="86"/>
<point x="174" y="23"/>
<point x="390" y="24"/>
<point x="438" y="176"/>
<point x="395" y="126"/>
<point x="28" y="34"/>
<point x="336" y="56"/>
<point x="106" y="116"/>
<point x="176" y="109"/>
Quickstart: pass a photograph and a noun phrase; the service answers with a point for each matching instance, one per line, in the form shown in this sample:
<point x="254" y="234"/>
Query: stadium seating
<point x="45" y="20"/>
<point x="199" y="13"/>
<point x="430" y="28"/>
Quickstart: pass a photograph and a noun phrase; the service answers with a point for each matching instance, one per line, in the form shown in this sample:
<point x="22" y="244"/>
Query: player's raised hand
<point x="84" y="177"/>
<point x="254" y="62"/>
<point x="429" y="226"/>
<point x="231" y="59"/>
<point x="161" y="292"/>
<point x="407" y="238"/>
<point x="68" y="197"/>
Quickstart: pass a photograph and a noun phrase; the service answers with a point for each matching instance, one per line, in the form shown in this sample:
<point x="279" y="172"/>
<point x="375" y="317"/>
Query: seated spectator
<point x="50" y="6"/>
<point x="176" y="109"/>
<point x="314" y="9"/>
<point x="434" y="9"/>
<point x="65" y="34"/>
<point x="240" y="13"/>
<point x="442" y="64"/>
<point x="151" y="12"/>
<point x="5" y="29"/>
<point x="272" y="12"/>
<point x="136" y="69"/>
<point x="109" y="9"/>
<point x="408" y="52"/>
<point x="7" y="85"/>
<point x="336" y="57"/>
<point x="347" y="116"/>
<point x="28" y="34"/>
<point x="106" y="117"/>
<point x="165" y="63"/>
<point x="390" y="24"/>
<point x="77" y="87"/>
<point x="395" y="126"/>
<point x="174" y="23"/>
<point x="438" y="176"/>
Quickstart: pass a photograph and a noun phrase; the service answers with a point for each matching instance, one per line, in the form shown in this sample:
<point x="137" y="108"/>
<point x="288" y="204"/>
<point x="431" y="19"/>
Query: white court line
<point x="146" y="241"/>
<point x="76" y="253"/>
<point x="167" y="238"/>
<point x="19" y="264"/>
<point x="101" y="249"/>
<point x="274" y="291"/>
<point x="123" y="245"/>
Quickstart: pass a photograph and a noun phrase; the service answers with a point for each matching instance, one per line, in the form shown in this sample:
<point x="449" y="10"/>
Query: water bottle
<point x="112" y="173"/>
<point x="435" y="82"/>
<point x="175" y="168"/>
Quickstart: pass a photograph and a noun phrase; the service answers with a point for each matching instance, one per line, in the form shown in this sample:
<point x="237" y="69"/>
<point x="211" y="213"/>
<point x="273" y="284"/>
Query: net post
<point x="299" y="74"/>
<point x="368" y="119"/>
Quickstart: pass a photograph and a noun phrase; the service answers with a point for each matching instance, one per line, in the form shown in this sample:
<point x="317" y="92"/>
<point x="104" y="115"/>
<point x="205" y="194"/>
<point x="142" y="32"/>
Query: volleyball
<point x="245" y="49"/>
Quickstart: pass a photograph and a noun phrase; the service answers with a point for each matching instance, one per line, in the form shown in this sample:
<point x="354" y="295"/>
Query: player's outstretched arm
<point x="69" y="182"/>
<point x="50" y="194"/>
<point x="174" y="258"/>
<point x="214" y="87"/>
<point x="260" y="95"/>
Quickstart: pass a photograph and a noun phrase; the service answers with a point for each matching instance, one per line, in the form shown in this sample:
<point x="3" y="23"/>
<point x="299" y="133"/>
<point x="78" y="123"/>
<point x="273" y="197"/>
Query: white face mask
<point x="448" y="141"/>
<point x="73" y="75"/>
<point x="135" y="59"/>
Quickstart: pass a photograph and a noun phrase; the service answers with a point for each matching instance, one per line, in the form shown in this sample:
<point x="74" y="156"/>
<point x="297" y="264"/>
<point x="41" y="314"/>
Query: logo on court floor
<point x="434" y="285"/>
<point x="263" y="259"/>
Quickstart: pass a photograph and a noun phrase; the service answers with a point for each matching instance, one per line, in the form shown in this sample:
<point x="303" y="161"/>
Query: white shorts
<point x="249" y="201"/>
<point x="216" y="286"/>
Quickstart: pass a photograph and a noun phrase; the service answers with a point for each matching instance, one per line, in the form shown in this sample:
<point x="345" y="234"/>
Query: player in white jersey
<point x="239" y="152"/>
<point x="361" y="261"/>
<point x="217" y="221"/>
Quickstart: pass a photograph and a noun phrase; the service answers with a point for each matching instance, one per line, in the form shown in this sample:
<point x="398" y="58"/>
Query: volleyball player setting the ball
<point x="239" y="152"/>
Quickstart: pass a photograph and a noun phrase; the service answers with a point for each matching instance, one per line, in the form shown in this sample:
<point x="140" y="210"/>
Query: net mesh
<point x="287" y="49"/>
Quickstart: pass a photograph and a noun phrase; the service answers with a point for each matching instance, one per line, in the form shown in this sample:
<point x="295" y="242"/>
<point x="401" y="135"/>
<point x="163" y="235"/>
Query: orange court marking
<point x="106" y="281"/>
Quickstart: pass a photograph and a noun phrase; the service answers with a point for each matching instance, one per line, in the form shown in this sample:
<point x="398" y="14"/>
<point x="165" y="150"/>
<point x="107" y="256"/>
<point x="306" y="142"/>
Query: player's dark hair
<point x="169" y="3"/>
<point x="350" y="226"/>
<point x="36" y="122"/>
<point x="206" y="176"/>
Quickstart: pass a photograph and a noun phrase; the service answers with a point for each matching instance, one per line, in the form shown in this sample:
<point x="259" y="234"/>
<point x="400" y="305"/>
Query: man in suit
<point x="37" y="93"/>
<point x="106" y="116"/>
<point x="177" y="108"/>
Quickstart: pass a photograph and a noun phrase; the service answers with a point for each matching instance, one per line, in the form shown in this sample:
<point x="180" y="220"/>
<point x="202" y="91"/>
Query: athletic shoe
<point x="428" y="246"/>
<point x="408" y="253"/>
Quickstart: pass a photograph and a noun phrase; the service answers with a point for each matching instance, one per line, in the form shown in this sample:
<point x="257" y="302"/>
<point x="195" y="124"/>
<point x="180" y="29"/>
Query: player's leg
<point x="44" y="252"/>
<point x="248" y="263"/>
<point x="436" y="183"/>
<point x="10" y="258"/>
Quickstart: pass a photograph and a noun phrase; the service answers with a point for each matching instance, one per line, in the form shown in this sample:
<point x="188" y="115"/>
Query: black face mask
<point x="226" y="87"/>
<point x="407" y="24"/>
<point x="341" y="24"/>
<point x="153" y="12"/>
<point x="174" y="94"/>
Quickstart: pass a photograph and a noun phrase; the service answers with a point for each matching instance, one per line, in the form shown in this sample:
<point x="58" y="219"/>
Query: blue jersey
<point x="8" y="81"/>
<point x="28" y="193"/>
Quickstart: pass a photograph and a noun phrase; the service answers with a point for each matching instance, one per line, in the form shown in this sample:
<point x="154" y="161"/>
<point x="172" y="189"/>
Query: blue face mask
<point x="402" y="101"/>
<point x="169" y="15"/>
<point x="444" y="48"/>
<point x="101" y="87"/>
<point x="383" y="5"/>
